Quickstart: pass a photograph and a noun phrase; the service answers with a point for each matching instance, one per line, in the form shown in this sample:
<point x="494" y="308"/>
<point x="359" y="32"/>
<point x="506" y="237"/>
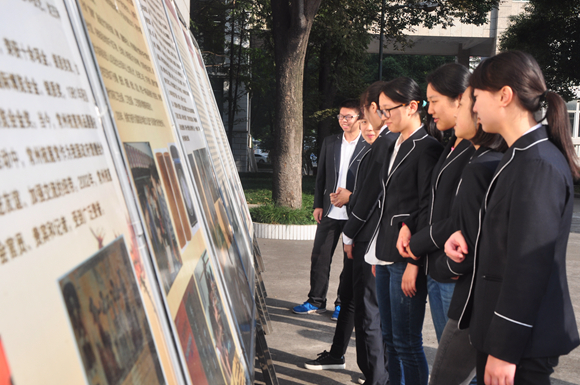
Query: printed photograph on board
<point x="108" y="320"/>
<point x="188" y="343"/>
<point x="214" y="311"/>
<point x="242" y="252"/>
<point x="155" y="211"/>
<point x="175" y="199"/>
<point x="228" y="254"/>
<point x="209" y="196"/>
<point x="183" y="185"/>
<point x="202" y="334"/>
<point x="204" y="166"/>
<point x="220" y="211"/>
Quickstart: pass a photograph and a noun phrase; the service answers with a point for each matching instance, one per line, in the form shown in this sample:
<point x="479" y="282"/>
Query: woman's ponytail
<point x="521" y="72"/>
<point x="559" y="129"/>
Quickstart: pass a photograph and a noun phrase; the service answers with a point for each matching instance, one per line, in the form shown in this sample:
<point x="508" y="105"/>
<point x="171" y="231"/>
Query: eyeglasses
<point x="346" y="117"/>
<point x="386" y="112"/>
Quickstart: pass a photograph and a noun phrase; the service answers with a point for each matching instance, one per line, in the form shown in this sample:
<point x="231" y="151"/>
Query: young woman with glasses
<point x="401" y="283"/>
<point x="363" y="219"/>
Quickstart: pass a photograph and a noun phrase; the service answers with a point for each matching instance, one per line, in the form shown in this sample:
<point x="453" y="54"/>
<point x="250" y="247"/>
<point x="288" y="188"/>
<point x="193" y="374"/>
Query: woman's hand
<point x="348" y="251"/>
<point x="499" y="372"/>
<point x="374" y="270"/>
<point x="409" y="281"/>
<point x="456" y="247"/>
<point x="403" y="241"/>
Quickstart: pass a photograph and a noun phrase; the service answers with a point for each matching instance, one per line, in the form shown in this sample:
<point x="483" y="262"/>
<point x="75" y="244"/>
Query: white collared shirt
<point x="533" y="128"/>
<point x="370" y="256"/>
<point x="346" y="240"/>
<point x="398" y="146"/>
<point x="346" y="151"/>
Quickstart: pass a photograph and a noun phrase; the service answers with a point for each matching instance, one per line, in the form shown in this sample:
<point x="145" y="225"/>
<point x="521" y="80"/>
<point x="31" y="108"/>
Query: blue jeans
<point x="439" y="299"/>
<point x="402" y="323"/>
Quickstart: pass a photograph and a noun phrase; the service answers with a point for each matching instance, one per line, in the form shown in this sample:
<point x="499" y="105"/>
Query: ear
<point x="457" y="100"/>
<point x="373" y="107"/>
<point x="506" y="95"/>
<point x="413" y="107"/>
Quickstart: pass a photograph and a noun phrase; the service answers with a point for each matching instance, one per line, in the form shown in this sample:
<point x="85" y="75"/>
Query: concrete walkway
<point x="298" y="338"/>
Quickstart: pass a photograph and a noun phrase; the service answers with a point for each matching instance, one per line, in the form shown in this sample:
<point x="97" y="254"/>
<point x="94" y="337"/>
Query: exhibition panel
<point x="126" y="246"/>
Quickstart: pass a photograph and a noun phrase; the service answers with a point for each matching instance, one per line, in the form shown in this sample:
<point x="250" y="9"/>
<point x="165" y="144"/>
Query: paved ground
<point x="296" y="338"/>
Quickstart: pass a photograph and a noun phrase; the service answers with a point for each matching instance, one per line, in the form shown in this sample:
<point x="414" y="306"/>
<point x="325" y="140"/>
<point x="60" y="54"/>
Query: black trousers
<point x="359" y="309"/>
<point x="325" y="241"/>
<point x="530" y="371"/>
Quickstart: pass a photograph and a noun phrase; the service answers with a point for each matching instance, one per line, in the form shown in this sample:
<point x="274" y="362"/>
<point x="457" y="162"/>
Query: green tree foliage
<point x="338" y="66"/>
<point x="335" y="63"/>
<point x="402" y="15"/>
<point x="222" y="29"/>
<point x="550" y="31"/>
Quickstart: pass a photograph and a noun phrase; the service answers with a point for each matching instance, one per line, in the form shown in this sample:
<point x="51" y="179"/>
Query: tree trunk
<point x="292" y="21"/>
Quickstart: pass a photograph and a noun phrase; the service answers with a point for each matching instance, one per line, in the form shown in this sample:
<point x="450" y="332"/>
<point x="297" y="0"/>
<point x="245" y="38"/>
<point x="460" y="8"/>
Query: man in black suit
<point x="337" y="165"/>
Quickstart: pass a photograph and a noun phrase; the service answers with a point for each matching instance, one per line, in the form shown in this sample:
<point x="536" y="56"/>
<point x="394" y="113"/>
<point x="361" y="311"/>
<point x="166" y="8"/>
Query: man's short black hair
<point x="353" y="104"/>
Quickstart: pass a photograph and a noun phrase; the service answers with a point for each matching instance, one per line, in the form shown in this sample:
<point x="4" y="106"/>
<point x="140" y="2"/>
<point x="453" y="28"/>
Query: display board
<point x="154" y="156"/>
<point x="160" y="26"/>
<point x="123" y="226"/>
<point x="217" y="153"/>
<point x="78" y="304"/>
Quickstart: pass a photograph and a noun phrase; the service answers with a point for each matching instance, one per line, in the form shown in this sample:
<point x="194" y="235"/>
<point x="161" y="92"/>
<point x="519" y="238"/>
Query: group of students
<point x="479" y="226"/>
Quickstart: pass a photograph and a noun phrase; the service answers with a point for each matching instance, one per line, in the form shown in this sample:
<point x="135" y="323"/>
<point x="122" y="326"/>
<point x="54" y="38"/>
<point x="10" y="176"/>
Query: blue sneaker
<point x="307" y="308"/>
<point x="336" y="313"/>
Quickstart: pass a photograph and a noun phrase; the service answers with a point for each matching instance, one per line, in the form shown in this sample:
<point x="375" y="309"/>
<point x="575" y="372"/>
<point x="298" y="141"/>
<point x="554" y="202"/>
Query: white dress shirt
<point x="346" y="151"/>
<point x="533" y="128"/>
<point x="346" y="240"/>
<point x="370" y="256"/>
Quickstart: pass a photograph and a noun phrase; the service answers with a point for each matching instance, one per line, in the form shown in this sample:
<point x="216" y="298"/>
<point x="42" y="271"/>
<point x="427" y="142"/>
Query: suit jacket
<point x="471" y="190"/>
<point x="329" y="166"/>
<point x="406" y="193"/>
<point x="363" y="216"/>
<point x="522" y="305"/>
<point x="429" y="242"/>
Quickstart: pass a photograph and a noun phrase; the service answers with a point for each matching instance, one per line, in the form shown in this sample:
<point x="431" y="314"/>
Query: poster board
<point x="203" y="97"/>
<point x="161" y="22"/>
<point x="119" y="227"/>
<point x="77" y="300"/>
<point x="146" y="121"/>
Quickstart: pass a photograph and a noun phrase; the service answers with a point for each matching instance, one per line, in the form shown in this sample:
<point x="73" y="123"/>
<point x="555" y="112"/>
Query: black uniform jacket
<point x="363" y="216"/>
<point x="522" y="305"/>
<point x="406" y="193"/>
<point x="471" y="190"/>
<point x="429" y="242"/>
<point x="329" y="166"/>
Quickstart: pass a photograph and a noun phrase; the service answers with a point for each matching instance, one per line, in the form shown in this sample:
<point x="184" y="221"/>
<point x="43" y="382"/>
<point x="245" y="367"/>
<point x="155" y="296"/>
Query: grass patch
<point x="258" y="190"/>
<point x="257" y="187"/>
<point x="278" y="215"/>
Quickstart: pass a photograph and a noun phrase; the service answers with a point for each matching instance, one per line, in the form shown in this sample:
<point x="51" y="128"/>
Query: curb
<point x="289" y="232"/>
